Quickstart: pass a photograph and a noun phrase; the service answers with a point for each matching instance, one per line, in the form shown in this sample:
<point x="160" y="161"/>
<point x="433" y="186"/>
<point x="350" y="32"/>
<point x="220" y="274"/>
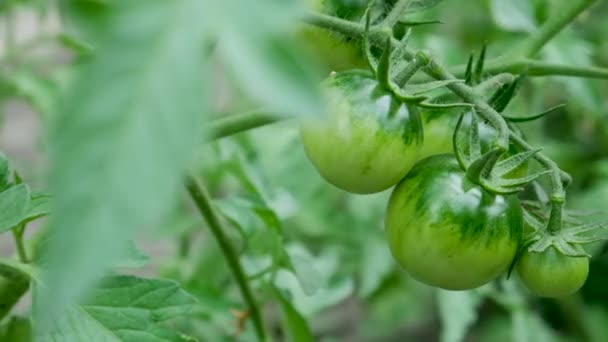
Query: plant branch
<point x="395" y="14"/>
<point x="551" y="27"/>
<point x="233" y="124"/>
<point x="203" y="202"/>
<point x="535" y="68"/>
<point x="18" y="236"/>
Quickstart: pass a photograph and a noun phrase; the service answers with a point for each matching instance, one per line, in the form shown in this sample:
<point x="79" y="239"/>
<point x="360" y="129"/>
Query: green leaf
<point x="39" y="206"/>
<point x="513" y="15"/>
<point x="301" y="263"/>
<point x="569" y="49"/>
<point x="421" y="5"/>
<point x="295" y="324"/>
<point x="528" y="327"/>
<point x="121" y="138"/>
<point x="270" y="66"/>
<point x="14" y="203"/>
<point x="40" y="92"/>
<point x="458" y="311"/>
<point x="17" y="329"/>
<point x="4" y="172"/>
<point x="133" y="257"/>
<point x="125" y="309"/>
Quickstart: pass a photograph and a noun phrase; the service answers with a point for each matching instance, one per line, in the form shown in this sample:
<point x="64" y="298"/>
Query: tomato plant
<point x="191" y="170"/>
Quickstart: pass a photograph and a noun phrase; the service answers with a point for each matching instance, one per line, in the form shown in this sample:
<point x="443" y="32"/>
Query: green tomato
<point x="368" y="142"/>
<point x="448" y="232"/>
<point x="439" y="126"/>
<point x="551" y="273"/>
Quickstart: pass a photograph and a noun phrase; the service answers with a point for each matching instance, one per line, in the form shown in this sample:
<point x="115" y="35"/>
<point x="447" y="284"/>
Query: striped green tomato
<point x="448" y="232"/>
<point x="551" y="273"/>
<point x="369" y="140"/>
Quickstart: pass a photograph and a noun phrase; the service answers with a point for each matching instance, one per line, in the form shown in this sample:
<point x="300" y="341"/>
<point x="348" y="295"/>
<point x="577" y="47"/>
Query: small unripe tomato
<point x="551" y="273"/>
<point x="369" y="140"/>
<point x="449" y="232"/>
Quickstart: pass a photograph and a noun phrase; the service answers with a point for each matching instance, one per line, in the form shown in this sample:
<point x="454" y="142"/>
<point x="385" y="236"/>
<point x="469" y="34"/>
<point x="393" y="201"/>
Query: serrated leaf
<point x="513" y="15"/>
<point x="122" y="136"/>
<point x="295" y="324"/>
<point x="123" y="309"/>
<point x="14" y="203"/>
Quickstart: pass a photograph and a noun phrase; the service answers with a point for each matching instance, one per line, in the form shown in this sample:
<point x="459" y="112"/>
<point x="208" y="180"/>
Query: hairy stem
<point x="551" y="27"/>
<point x="395" y="14"/>
<point x="535" y="68"/>
<point x="203" y="202"/>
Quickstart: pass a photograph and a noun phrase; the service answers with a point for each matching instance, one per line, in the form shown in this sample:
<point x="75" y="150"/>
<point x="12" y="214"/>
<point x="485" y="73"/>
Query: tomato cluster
<point x="442" y="227"/>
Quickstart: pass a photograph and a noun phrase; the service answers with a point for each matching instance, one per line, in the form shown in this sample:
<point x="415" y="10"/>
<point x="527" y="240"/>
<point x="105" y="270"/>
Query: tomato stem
<point x="556" y="22"/>
<point x="203" y="202"/>
<point x="18" y="236"/>
<point x="396" y="12"/>
<point x="555" y="223"/>
<point x="410" y="69"/>
<point x="237" y="123"/>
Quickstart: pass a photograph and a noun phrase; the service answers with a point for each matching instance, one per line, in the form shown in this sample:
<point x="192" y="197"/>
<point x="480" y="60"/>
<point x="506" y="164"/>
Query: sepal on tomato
<point x="534" y="116"/>
<point x="478" y="70"/>
<point x="487" y="169"/>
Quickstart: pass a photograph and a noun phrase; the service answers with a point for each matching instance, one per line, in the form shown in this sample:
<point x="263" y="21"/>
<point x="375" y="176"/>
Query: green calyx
<point x="394" y="73"/>
<point x="488" y="169"/>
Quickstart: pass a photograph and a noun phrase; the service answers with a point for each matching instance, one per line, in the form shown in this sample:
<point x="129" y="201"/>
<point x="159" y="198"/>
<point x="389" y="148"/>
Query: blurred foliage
<point x="316" y="256"/>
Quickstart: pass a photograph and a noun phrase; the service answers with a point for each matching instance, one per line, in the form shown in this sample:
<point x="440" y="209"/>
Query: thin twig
<point x="203" y="202"/>
<point x="551" y="27"/>
<point x="18" y="236"/>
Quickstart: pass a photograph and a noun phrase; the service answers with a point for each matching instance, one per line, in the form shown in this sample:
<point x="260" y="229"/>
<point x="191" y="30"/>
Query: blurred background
<point x="341" y="278"/>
